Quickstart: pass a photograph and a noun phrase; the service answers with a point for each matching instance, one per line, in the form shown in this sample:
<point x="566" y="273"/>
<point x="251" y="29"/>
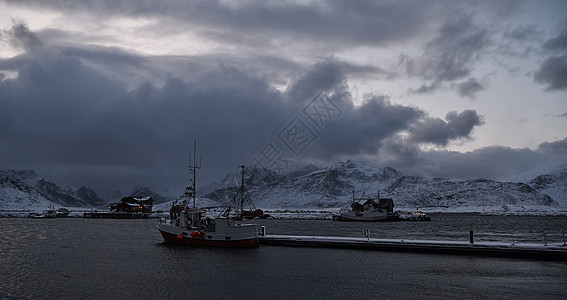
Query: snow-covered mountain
<point x="552" y="183"/>
<point x="17" y="186"/>
<point x="144" y="191"/>
<point x="334" y="186"/>
<point x="19" y="195"/>
<point x="330" y="187"/>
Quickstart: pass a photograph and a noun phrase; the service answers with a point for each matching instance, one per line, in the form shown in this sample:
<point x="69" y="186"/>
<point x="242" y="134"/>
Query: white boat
<point x="363" y="216"/>
<point x="189" y="225"/>
<point x="50" y="213"/>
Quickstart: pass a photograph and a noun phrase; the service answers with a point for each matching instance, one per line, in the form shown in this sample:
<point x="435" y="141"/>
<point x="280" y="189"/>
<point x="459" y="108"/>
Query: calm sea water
<point x="118" y="259"/>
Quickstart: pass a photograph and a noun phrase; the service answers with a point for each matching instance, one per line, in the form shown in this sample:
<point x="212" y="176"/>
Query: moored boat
<point x="50" y="213"/>
<point x="415" y="216"/>
<point x="194" y="229"/>
<point x="189" y="224"/>
<point x="371" y="210"/>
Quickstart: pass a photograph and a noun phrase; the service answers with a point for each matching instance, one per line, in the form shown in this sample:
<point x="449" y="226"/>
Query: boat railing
<point x="166" y="221"/>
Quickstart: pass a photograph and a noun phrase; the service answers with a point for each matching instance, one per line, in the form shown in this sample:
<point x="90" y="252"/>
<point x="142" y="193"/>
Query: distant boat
<point x="417" y="215"/>
<point x="245" y="207"/>
<point x="371" y="210"/>
<point x="189" y="225"/>
<point x="50" y="213"/>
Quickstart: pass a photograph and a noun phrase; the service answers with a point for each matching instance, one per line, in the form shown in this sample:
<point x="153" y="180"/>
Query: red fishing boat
<point x="189" y="224"/>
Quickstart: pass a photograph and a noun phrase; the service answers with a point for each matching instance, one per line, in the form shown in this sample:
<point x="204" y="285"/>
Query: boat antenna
<point x="352" y="205"/>
<point x="191" y="189"/>
<point x="242" y="192"/>
<point x="194" y="168"/>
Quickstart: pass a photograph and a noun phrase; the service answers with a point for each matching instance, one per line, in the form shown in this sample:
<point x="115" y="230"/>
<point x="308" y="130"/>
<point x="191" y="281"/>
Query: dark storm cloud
<point x="439" y="132"/>
<point x="362" y="130"/>
<point x="391" y="133"/>
<point x="453" y="53"/>
<point x="21" y="37"/>
<point x="553" y="70"/>
<point x="450" y="56"/>
<point x="558" y="147"/>
<point x="111" y="118"/>
<point x="328" y="75"/>
<point x="337" y="22"/>
<point x="495" y="162"/>
<point x="66" y="114"/>
<point x="553" y="73"/>
<point x="560" y="41"/>
<point x="59" y="113"/>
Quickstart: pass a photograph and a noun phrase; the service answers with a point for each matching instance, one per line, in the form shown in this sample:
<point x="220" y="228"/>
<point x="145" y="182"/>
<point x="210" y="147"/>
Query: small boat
<point x="372" y="210"/>
<point x="189" y="225"/>
<point x="242" y="199"/>
<point x="50" y="213"/>
<point x="62" y="212"/>
<point x="415" y="216"/>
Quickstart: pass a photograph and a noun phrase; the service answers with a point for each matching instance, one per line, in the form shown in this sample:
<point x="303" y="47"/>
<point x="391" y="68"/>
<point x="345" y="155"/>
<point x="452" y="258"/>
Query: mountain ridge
<point x="333" y="187"/>
<point x="314" y="187"/>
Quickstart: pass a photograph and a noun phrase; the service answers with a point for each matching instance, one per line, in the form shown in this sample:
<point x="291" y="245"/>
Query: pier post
<point x="544" y="240"/>
<point x="471" y="236"/>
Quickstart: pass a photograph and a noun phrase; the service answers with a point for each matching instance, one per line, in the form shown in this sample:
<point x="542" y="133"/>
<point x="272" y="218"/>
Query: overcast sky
<point x="110" y="94"/>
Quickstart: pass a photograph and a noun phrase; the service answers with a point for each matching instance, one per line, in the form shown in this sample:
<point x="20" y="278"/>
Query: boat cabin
<point x="383" y="204"/>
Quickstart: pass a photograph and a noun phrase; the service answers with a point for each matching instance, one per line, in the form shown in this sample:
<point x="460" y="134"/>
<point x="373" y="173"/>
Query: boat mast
<point x="242" y="192"/>
<point x="194" y="168"/>
<point x="191" y="189"/>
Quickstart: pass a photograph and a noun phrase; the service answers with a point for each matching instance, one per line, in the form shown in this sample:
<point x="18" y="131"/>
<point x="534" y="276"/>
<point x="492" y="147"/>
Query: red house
<point x="133" y="205"/>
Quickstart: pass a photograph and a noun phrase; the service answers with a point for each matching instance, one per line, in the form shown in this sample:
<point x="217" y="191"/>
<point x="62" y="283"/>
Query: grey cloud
<point x="363" y="22"/>
<point x="362" y="130"/>
<point x="553" y="70"/>
<point x="426" y="88"/>
<point x="495" y="162"/>
<point x="470" y="88"/>
<point x="560" y="41"/>
<point x="524" y="33"/>
<point x="397" y="153"/>
<point x="324" y="76"/>
<point x="378" y="129"/>
<point x="439" y="132"/>
<point x="553" y="73"/>
<point x="65" y="117"/>
<point x="451" y="55"/>
<point x="60" y="114"/>
<point x="21" y="37"/>
<point x="557" y="147"/>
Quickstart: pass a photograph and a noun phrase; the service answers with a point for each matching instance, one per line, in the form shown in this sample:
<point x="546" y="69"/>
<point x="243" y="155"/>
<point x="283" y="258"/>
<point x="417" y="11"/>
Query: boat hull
<point x="174" y="235"/>
<point x="367" y="216"/>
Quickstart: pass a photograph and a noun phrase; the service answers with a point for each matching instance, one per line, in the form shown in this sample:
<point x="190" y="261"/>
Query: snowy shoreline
<point x="327" y="213"/>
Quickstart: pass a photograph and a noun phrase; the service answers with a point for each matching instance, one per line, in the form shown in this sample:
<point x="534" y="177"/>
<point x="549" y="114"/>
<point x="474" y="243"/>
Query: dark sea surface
<point x="77" y="258"/>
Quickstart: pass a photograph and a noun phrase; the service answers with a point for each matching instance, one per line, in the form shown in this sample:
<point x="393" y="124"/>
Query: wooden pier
<point x="556" y="251"/>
